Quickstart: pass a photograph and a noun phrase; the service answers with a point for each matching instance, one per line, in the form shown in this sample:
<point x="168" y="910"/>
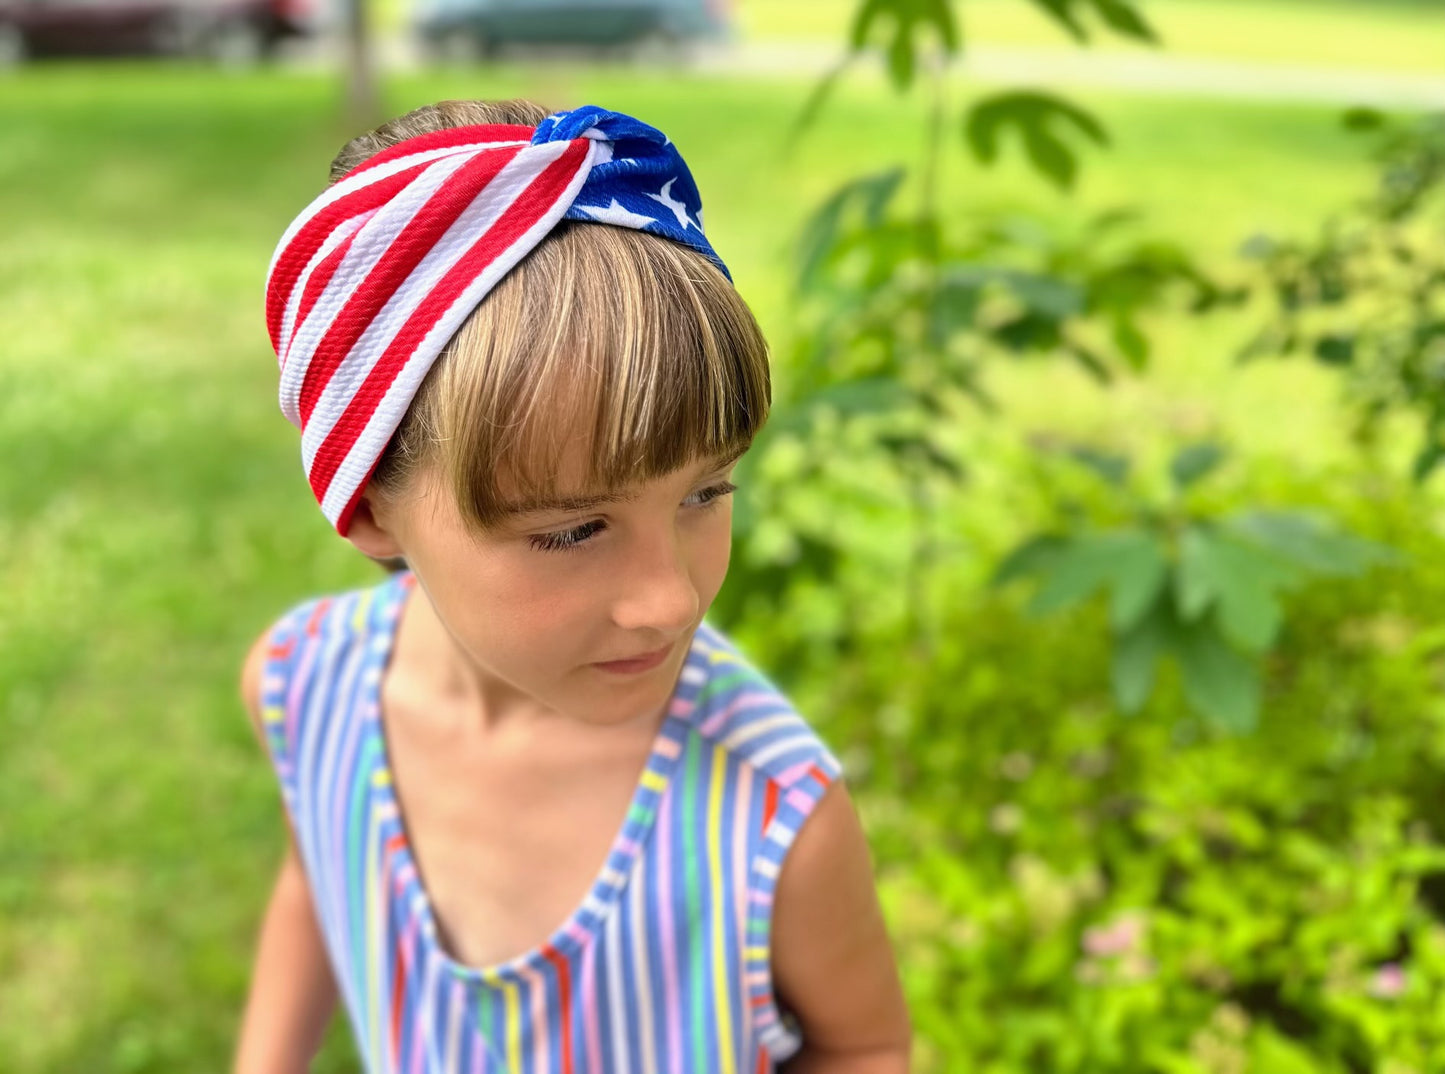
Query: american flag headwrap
<point x="373" y="278"/>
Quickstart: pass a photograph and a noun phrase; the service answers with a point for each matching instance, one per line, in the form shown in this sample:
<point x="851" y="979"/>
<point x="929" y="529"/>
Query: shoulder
<point x="332" y="620"/>
<point x="833" y="961"/>
<point x="743" y="712"/>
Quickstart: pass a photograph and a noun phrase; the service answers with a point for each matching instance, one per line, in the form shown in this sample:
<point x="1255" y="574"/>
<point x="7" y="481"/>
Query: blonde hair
<point x="634" y="342"/>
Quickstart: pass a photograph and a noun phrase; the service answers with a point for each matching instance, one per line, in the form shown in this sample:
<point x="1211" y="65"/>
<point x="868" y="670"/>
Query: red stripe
<point x="314" y="623"/>
<point x="763" y="1067"/>
<point x="564" y="989"/>
<point x="304" y="244"/>
<point x="320" y="277"/>
<point x="283" y="650"/>
<point x="770" y="804"/>
<point x="405" y="252"/>
<point x="398" y="983"/>
<point x="818" y="774"/>
<point x="442" y="139"/>
<point x="541" y="194"/>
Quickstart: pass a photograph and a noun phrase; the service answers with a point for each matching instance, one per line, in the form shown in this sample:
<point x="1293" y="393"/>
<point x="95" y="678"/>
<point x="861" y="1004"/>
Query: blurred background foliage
<point x="1097" y="525"/>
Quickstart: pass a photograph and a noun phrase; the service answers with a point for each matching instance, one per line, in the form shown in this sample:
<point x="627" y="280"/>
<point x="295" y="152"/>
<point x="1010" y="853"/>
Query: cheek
<point x="714" y="552"/>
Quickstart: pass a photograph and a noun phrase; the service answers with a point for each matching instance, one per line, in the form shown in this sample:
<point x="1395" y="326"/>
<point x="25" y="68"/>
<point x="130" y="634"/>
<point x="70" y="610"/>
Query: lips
<point x="637" y="663"/>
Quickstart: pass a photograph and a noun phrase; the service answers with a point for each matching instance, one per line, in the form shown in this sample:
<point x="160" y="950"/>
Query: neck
<point x="430" y="660"/>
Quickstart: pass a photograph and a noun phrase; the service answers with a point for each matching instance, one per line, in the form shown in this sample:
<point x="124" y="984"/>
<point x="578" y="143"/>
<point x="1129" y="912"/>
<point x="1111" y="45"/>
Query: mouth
<point x="645" y="662"/>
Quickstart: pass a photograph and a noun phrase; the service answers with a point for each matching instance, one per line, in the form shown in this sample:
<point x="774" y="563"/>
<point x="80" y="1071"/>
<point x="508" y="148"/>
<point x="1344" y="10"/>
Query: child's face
<point x="533" y="608"/>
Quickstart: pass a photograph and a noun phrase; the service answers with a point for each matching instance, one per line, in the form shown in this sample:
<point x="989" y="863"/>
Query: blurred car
<point x="228" y="31"/>
<point x="465" y="29"/>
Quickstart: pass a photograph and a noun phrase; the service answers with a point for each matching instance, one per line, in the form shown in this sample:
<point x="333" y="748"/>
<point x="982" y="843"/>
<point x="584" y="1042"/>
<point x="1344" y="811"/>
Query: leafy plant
<point x="1366" y="296"/>
<point x="1203" y="590"/>
<point x="900" y="322"/>
<point x="927" y="35"/>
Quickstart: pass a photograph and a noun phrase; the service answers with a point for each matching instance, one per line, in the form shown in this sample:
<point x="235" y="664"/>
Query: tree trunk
<point x="363" y="105"/>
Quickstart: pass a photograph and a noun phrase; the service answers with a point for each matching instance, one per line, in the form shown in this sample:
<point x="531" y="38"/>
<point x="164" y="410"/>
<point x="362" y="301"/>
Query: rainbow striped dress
<point x="665" y="964"/>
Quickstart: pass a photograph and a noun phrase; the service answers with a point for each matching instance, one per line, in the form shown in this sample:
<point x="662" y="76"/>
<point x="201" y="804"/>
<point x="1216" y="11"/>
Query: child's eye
<point x="714" y="493"/>
<point x="564" y="540"/>
<point x="560" y="542"/>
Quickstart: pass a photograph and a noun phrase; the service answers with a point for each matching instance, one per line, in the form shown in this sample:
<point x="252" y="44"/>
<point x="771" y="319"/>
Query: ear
<point x="370" y="530"/>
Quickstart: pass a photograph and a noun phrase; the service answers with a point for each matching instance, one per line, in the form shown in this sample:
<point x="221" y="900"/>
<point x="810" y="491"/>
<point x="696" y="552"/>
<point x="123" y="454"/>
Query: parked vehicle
<point x="228" y="31"/>
<point x="461" y="29"/>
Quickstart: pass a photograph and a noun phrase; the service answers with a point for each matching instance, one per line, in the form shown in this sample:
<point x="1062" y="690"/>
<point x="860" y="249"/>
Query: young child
<point x="544" y="818"/>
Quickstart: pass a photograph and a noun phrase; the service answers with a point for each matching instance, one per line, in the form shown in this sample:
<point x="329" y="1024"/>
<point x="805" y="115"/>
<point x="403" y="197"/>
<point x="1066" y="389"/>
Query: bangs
<point x="629" y="348"/>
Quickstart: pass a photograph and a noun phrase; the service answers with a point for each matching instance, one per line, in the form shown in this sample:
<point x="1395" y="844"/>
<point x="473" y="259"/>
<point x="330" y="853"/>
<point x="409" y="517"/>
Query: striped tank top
<point x="665" y="964"/>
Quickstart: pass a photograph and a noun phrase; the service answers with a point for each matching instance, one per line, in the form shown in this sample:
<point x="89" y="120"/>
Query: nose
<point x="656" y="592"/>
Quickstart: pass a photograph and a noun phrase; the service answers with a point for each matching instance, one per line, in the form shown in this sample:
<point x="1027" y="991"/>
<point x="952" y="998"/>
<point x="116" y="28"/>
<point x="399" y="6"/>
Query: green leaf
<point x="1218" y="682"/>
<point x="820" y="233"/>
<point x="1335" y="349"/>
<point x="1050" y="155"/>
<point x="1124" y="560"/>
<point x="908" y="17"/>
<point x="1278" y="1054"/>
<point x="1136" y="657"/>
<point x="1123" y="18"/>
<point x="1111" y="467"/>
<point x="1090" y="362"/>
<point x="1081" y="567"/>
<point x="1426" y="460"/>
<point x="1194" y="587"/>
<point x="1061" y="11"/>
<point x="1031" y="114"/>
<point x="1048" y="295"/>
<point x="1193" y="462"/>
<point x="1308" y="541"/>
<point x="1240" y="579"/>
<point x="1361" y="118"/>
<point x="1031" y="557"/>
<point x="1131" y="342"/>
<point x="1139" y="574"/>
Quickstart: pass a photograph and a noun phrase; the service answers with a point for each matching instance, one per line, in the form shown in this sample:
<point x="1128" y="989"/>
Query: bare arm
<point x="293" y="993"/>
<point x="833" y="964"/>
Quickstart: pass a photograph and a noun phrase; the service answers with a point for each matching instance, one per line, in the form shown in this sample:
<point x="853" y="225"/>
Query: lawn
<point x="155" y="514"/>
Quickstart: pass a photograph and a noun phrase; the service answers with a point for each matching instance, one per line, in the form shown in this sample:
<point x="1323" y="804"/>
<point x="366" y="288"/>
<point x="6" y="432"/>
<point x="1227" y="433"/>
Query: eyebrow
<point x="561" y="504"/>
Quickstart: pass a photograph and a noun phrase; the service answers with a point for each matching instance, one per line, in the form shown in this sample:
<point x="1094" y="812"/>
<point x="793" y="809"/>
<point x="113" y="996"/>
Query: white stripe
<point x="357" y="182"/>
<point x="373" y="439"/>
<point x="342" y="232"/>
<point x="479" y="217"/>
<point x="781" y="834"/>
<point x="642" y="983"/>
<point x="754" y="728"/>
<point x="371" y="244"/>
<point x="793" y="742"/>
<point x="454" y="1027"/>
<point x="617" y="999"/>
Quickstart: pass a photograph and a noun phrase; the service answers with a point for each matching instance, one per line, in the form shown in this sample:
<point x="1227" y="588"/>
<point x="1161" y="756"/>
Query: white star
<point x="617" y="214"/>
<point x="679" y="210"/>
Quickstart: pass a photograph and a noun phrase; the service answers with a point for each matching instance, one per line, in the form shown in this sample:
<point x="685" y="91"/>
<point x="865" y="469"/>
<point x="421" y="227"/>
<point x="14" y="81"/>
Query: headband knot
<point x="374" y="277"/>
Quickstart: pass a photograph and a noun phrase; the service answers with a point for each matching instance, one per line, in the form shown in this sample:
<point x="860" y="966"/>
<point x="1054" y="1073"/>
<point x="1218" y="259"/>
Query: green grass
<point x="155" y="516"/>
<point x="1394" y="35"/>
